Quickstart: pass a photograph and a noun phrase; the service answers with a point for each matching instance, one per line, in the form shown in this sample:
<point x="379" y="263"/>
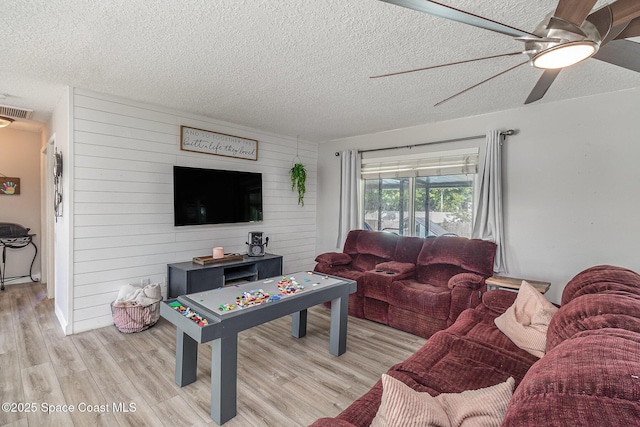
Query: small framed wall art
<point x="9" y="186"/>
<point x="219" y="144"/>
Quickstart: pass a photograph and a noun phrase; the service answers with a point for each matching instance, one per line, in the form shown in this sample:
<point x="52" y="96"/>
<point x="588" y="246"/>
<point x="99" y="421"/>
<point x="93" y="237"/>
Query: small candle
<point x="218" y="252"/>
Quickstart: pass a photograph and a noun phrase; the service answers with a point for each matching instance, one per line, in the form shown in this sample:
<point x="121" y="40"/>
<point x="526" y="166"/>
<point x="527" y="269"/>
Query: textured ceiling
<point x="293" y="67"/>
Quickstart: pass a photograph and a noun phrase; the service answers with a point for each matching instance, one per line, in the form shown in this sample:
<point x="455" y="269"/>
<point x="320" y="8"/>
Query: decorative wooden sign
<point x="219" y="144"/>
<point x="9" y="186"/>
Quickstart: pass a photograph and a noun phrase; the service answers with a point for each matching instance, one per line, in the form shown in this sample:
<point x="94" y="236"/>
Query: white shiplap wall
<point x="123" y="231"/>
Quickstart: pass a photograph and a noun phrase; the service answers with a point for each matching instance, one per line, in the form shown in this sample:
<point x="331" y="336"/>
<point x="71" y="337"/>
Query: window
<point x="428" y="196"/>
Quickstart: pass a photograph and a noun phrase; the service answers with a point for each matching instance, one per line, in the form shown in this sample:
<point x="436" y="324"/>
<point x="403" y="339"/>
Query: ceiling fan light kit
<point x="564" y="55"/>
<point x="562" y="43"/>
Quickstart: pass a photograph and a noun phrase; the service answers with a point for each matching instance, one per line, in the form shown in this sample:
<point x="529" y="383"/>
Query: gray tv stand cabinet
<point x="188" y="277"/>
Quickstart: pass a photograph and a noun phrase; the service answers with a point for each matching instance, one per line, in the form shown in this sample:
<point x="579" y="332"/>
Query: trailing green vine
<point x="298" y="178"/>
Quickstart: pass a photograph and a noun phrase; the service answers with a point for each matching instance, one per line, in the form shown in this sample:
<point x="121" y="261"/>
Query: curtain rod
<point x="466" y="138"/>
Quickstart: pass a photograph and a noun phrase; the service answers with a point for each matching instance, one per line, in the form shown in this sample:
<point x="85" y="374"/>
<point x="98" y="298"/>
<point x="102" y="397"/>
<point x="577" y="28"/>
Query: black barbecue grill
<point x="14" y="236"/>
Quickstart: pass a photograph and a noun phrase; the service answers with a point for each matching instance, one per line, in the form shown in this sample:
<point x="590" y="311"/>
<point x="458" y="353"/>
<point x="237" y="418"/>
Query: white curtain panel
<point x="350" y="218"/>
<point x="488" y="224"/>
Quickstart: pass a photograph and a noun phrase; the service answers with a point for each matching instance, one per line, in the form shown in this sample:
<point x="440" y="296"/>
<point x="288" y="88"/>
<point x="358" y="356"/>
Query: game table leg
<point x="186" y="358"/>
<point x="224" y="377"/>
<point x="338" y="328"/>
<point x="299" y="323"/>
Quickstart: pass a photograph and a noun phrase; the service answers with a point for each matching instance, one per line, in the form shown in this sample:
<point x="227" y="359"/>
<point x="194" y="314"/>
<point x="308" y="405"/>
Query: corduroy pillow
<point x="527" y="320"/>
<point x="401" y="406"/>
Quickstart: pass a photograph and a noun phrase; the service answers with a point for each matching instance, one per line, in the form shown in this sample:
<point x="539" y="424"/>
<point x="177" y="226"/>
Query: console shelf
<point x="188" y="277"/>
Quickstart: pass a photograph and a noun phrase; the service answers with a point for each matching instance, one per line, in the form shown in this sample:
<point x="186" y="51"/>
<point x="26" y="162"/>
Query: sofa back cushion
<point x="351" y="243"/>
<point x="407" y="249"/>
<point x="613" y="309"/>
<point x="445" y="256"/>
<point x="369" y="248"/>
<point x="590" y="380"/>
<point x="599" y="279"/>
<point x="377" y="243"/>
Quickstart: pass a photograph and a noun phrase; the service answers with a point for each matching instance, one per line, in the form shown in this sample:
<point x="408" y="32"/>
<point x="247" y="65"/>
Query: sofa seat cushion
<point x="451" y="364"/>
<point x="434" y="301"/>
<point x="591" y="379"/>
<point x="477" y="325"/>
<point x="334" y="258"/>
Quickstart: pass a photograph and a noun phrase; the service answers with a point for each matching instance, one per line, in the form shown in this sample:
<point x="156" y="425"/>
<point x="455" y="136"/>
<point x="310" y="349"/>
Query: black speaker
<point x="256" y="245"/>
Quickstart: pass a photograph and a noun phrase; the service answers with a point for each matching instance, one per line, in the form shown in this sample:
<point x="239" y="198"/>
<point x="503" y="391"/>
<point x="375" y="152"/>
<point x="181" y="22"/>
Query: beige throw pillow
<point x="401" y="406"/>
<point x="527" y="320"/>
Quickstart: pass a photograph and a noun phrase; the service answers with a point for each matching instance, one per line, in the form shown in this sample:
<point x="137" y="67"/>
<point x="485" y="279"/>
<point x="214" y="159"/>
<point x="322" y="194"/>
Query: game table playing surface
<point x="224" y="319"/>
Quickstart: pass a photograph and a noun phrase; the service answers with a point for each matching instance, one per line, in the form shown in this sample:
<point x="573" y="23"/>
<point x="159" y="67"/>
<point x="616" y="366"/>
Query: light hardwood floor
<point x="282" y="381"/>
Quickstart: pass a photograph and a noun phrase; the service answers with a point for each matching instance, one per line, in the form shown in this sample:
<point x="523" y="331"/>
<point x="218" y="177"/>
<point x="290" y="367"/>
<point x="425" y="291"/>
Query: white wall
<point x="20" y="158"/>
<point x="570" y="183"/>
<point x="59" y="128"/>
<point x="122" y="208"/>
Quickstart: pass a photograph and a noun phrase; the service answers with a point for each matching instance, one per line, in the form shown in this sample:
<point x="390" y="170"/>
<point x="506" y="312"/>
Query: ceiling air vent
<point x="15" y="112"/>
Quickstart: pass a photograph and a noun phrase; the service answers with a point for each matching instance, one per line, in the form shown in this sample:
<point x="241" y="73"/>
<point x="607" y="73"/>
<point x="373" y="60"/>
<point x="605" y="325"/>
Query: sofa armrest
<point x="334" y="258"/>
<point x="498" y="300"/>
<point x="466" y="280"/>
<point x="466" y="292"/>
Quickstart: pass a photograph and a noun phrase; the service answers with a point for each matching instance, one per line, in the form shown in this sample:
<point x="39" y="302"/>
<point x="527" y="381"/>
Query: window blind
<point x="454" y="162"/>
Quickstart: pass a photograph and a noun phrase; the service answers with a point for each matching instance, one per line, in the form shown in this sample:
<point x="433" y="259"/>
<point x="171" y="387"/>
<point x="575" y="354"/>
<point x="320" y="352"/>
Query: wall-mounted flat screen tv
<point x="213" y="196"/>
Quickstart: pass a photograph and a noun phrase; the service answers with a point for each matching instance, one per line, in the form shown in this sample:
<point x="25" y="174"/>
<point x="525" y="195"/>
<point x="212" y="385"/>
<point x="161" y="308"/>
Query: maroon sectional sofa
<point x="589" y="376"/>
<point x="413" y="284"/>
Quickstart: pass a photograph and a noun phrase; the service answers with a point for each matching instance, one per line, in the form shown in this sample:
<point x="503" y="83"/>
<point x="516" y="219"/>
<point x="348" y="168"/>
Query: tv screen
<point x="212" y="196"/>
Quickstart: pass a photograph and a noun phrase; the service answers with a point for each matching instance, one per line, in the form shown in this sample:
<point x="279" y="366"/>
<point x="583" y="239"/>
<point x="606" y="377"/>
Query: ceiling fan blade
<point x="574" y="11"/>
<point x="632" y="30"/>
<point x="543" y="85"/>
<point x="623" y="53"/>
<point x="453" y="14"/>
<point x="624" y="11"/>
<point x="446" y="65"/>
<point x="478" y="84"/>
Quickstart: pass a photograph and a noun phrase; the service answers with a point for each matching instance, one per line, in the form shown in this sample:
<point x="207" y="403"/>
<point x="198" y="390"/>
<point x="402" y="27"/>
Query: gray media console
<point x="188" y="277"/>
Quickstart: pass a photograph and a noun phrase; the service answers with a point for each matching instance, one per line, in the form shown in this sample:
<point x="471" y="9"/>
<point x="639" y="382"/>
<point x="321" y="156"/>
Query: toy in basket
<point x="136" y="309"/>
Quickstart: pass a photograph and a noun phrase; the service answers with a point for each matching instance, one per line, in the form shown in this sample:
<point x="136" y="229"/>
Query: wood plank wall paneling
<point x="124" y="153"/>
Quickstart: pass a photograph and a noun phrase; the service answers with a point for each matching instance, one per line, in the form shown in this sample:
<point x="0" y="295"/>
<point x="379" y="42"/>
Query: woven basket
<point x="135" y="318"/>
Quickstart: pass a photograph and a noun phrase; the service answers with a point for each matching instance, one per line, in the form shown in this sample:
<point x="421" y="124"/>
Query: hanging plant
<point x="298" y="178"/>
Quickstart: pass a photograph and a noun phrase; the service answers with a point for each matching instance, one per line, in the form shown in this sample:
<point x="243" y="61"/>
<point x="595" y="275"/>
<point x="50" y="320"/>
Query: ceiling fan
<point x="570" y="34"/>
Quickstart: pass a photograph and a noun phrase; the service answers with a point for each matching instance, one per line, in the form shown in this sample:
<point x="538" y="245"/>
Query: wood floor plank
<point x="175" y="412"/>
<point x="23" y="422"/>
<point x="7" y="328"/>
<point x="282" y="381"/>
<point x="11" y="389"/>
<point x="29" y="339"/>
<point x="104" y="369"/>
<point x="129" y="406"/>
<point x="149" y="383"/>
<point x="41" y="386"/>
<point x="92" y="408"/>
<point x="64" y="356"/>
